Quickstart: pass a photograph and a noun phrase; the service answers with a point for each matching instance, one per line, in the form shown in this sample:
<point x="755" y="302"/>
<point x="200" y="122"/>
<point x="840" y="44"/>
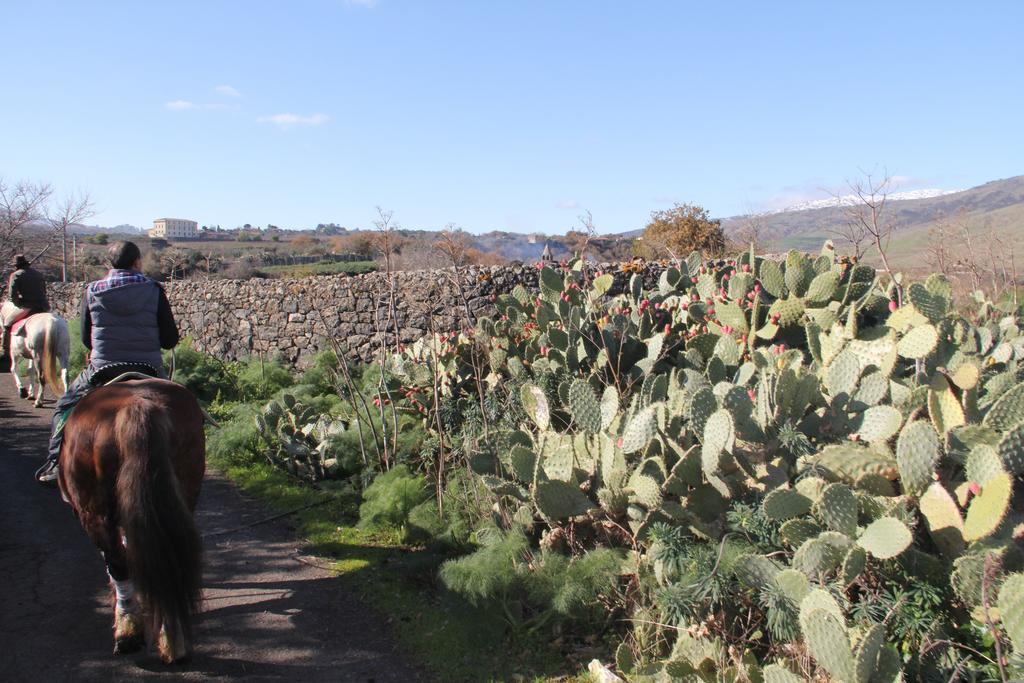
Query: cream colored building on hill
<point x="174" y="228"/>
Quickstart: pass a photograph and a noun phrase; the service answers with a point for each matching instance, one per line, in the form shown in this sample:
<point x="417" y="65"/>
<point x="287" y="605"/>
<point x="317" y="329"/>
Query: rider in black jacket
<point x="27" y="292"/>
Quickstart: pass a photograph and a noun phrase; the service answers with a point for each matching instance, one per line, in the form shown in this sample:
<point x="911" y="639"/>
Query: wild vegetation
<point x="754" y="469"/>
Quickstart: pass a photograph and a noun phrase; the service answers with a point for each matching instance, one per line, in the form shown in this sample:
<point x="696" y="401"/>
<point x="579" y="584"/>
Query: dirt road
<point x="267" y="616"/>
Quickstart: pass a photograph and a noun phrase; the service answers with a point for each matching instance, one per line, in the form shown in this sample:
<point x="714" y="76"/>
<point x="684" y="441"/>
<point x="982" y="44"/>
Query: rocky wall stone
<point x="296" y="319"/>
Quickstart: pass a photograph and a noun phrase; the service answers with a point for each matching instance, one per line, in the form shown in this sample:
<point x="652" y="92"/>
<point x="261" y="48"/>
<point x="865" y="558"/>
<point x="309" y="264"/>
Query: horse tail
<point x="161" y="541"/>
<point x="55" y="338"/>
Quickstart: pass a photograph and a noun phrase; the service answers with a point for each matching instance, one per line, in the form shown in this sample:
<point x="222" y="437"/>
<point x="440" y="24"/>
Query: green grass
<point x="450" y="638"/>
<point x="322" y="268"/>
<point x="76" y="363"/>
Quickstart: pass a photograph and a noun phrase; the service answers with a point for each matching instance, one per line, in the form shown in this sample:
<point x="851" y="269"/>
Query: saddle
<point x="18" y="328"/>
<point x="121" y="372"/>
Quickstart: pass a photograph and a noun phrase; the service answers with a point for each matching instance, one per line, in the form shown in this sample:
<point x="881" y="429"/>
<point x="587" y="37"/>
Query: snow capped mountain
<point x="850" y="200"/>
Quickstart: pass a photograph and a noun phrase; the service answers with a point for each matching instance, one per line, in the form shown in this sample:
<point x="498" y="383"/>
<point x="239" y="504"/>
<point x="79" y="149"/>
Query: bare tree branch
<point x="69" y="211"/>
<point x="866" y="219"/>
<point x="22" y="204"/>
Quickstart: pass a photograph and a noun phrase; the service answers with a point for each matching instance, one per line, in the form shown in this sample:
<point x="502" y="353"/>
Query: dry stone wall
<point x="296" y="319"/>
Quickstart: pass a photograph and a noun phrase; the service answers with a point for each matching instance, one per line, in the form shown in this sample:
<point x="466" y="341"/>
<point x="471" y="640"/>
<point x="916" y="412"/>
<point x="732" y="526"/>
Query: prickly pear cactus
<point x="807" y="423"/>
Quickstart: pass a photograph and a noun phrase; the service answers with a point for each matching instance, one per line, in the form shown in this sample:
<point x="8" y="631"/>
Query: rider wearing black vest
<point x="27" y="291"/>
<point x="126" y="318"/>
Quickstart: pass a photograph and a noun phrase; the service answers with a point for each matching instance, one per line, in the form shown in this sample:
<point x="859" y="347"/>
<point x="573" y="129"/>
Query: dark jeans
<point x="76" y="391"/>
<point x="66" y="403"/>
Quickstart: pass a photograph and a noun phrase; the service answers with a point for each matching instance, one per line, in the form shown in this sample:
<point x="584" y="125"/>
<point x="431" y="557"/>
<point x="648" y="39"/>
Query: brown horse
<point x="131" y="466"/>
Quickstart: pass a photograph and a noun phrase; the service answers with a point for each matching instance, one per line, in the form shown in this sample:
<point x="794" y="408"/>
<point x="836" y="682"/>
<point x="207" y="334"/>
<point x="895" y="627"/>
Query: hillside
<point x="998" y="205"/>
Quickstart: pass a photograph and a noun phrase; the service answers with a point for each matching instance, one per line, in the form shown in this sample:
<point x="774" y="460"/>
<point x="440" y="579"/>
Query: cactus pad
<point x="918" y="342"/>
<point x="885" y="538"/>
<point x="988" y="508"/>
<point x="609" y="406"/>
<point x="727" y="349"/>
<point x="719" y="437"/>
<point x="879" y="423"/>
<point x="866" y="656"/>
<point x="1011" y="449"/>
<point x="983" y="463"/>
<point x="811" y="487"/>
<point x="816" y="557"/>
<point x="583" y="406"/>
<point x="819" y="598"/>
<point x="943" y="406"/>
<point x="837" y="507"/>
<point x="702" y="406"/>
<point x="827" y="640"/>
<point x="850" y="462"/>
<point x="523" y="463"/>
<point x="842" y="374"/>
<point x="560" y="500"/>
<point x="875" y="484"/>
<point x="789" y="311"/>
<point x="772" y="278"/>
<point x="967" y="376"/>
<point x="932" y="306"/>
<point x="756" y="571"/>
<point x="645" y="491"/>
<point x="613" y="501"/>
<point x="917" y="454"/>
<point x="1011" y="609"/>
<point x="853" y="564"/>
<point x="793" y="584"/>
<point x="1008" y="411"/>
<point x="872" y="389"/>
<point x="795" y="532"/>
<point x="640" y="430"/>
<point x="799" y="272"/>
<point x="966" y="578"/>
<point x="783" y="504"/>
<point x="535" y="403"/>
<point x="776" y="673"/>
<point x="945" y="524"/>
<point x="732" y="315"/>
<point x="823" y="288"/>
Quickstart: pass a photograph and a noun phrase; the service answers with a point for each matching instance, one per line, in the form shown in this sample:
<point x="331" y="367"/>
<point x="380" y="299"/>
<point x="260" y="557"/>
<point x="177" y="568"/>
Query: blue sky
<point x="500" y="114"/>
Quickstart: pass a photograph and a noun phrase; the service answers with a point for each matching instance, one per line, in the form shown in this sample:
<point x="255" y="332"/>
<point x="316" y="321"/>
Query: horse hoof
<point x="129" y="645"/>
<point x="23" y="393"/>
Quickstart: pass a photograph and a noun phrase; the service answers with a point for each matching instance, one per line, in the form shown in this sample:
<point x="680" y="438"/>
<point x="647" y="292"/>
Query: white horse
<point x="45" y="342"/>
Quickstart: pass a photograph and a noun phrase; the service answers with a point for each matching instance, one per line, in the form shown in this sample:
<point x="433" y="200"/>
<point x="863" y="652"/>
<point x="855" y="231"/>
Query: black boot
<point x="5" y="360"/>
<point x="48" y="473"/>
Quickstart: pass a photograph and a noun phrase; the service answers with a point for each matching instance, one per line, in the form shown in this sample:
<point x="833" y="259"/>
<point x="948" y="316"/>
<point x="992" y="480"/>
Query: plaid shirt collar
<point x="117" y="278"/>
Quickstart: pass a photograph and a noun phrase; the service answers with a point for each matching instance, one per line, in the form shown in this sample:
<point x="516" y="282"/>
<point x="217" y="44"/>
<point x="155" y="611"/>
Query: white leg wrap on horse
<point x="125" y="594"/>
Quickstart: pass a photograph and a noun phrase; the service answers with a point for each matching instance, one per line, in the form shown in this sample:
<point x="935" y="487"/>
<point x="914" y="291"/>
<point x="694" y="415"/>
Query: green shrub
<point x="533" y="588"/>
<point x="425" y="525"/>
<point x="76" y="361"/>
<point x="259" y="380"/>
<point x="320" y="375"/>
<point x="490" y="573"/>
<point x="389" y="500"/>
<point x="201" y="373"/>
<point x="235" y="441"/>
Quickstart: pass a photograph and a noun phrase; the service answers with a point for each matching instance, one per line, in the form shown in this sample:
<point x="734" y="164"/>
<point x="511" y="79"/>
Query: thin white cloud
<point x="179" y="105"/>
<point x="567" y="204"/>
<point x="288" y="120"/>
<point x="227" y="91"/>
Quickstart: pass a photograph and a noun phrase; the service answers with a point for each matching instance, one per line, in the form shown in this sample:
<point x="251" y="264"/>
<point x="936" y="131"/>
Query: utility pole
<point x="64" y="253"/>
<point x="74" y="256"/>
